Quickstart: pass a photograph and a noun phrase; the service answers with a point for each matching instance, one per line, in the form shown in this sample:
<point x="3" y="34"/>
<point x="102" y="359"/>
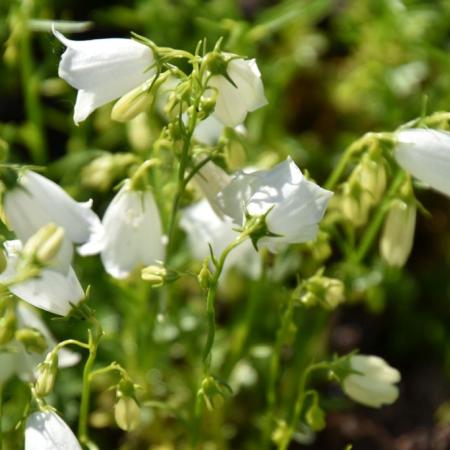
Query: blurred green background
<point x="332" y="70"/>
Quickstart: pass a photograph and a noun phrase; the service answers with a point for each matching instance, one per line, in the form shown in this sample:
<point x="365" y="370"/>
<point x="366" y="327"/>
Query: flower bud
<point x="158" y="275"/>
<point x="43" y="246"/>
<point x="46" y="375"/>
<point x="127" y="413"/>
<point x="3" y="261"/>
<point x="204" y="276"/>
<point x="315" y="417"/>
<point x="7" y="326"/>
<point x="356" y="203"/>
<point x="398" y="233"/>
<point x="32" y="339"/>
<point x="133" y="103"/>
<point x="372" y="382"/>
<point x="372" y="177"/>
<point x="328" y="292"/>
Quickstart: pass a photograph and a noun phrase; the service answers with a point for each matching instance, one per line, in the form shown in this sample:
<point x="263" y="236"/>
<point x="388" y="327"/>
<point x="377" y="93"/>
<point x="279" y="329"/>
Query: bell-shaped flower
<point x="203" y="228"/>
<point x="425" y="154"/>
<point x="45" y="430"/>
<point x="238" y="93"/>
<point x="292" y="205"/>
<point x="14" y="359"/>
<point x="373" y="384"/>
<point x="133" y="232"/>
<point x="36" y="201"/>
<point x="103" y="70"/>
<point x="51" y="290"/>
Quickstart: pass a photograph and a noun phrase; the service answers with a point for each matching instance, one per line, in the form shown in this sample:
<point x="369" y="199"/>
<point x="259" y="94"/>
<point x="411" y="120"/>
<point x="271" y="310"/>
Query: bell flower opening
<point x="103" y="70"/>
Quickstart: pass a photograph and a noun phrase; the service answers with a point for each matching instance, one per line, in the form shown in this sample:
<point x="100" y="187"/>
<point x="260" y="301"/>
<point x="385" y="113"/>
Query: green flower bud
<point x="315" y="417"/>
<point x="398" y="233"/>
<point x="204" y="276"/>
<point x="43" y="246"/>
<point x="372" y="177"/>
<point x="158" y="275"/>
<point x="133" y="103"/>
<point x="328" y="292"/>
<point x="47" y="374"/>
<point x="7" y="326"/>
<point x="32" y="339"/>
<point x="356" y="203"/>
<point x="127" y="413"/>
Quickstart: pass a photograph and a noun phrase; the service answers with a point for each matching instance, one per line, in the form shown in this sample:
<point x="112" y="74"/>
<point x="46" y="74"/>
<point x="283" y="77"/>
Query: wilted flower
<point x="204" y="227"/>
<point x="238" y="93"/>
<point x="398" y="234"/>
<point x="374" y="384"/>
<point x="103" y="70"/>
<point x="133" y="232"/>
<point x="16" y="360"/>
<point x="293" y="205"/>
<point x="50" y="290"/>
<point x="425" y="154"/>
<point x="36" y="201"/>
<point x="45" y="430"/>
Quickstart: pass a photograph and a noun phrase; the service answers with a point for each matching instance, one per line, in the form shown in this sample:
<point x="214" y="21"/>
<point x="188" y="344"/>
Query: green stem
<point x="94" y="341"/>
<point x="1" y="416"/>
<point x="377" y="220"/>
<point x="275" y="367"/>
<point x="30" y="84"/>
<point x="301" y="396"/>
<point x="211" y="298"/>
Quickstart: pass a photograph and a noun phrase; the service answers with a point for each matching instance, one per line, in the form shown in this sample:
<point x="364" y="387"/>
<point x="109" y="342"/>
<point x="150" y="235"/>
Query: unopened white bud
<point x="398" y="233"/>
<point x="133" y="103"/>
<point x="127" y="413"/>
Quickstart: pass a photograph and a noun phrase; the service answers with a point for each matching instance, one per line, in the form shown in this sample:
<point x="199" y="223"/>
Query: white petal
<point x="45" y="430"/>
<point x="204" y="227"/>
<point x="51" y="291"/>
<point x="103" y="70"/>
<point x="37" y="201"/>
<point x="133" y="233"/>
<point x="233" y="102"/>
<point x="426" y="155"/>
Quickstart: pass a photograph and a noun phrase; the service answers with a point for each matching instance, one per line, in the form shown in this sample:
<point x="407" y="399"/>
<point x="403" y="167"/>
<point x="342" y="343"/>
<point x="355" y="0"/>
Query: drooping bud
<point x="126" y="410"/>
<point x="127" y="413"/>
<point x="133" y="103"/>
<point x="32" y="339"/>
<point x="47" y="371"/>
<point x="43" y="246"/>
<point x="398" y="233"/>
<point x="356" y="203"/>
<point x="214" y="391"/>
<point x="7" y="326"/>
<point x="315" y="417"/>
<point x="372" y="177"/>
<point x="158" y="276"/>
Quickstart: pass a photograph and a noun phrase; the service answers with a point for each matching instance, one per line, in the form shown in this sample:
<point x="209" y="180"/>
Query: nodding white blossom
<point x="234" y="101"/>
<point x="51" y="290"/>
<point x="294" y="205"/>
<point x="36" y="201"/>
<point x="425" y="154"/>
<point x="374" y="384"/>
<point x="45" y="430"/>
<point x="16" y="360"/>
<point x="103" y="70"/>
<point x="204" y="227"/>
<point x="133" y="232"/>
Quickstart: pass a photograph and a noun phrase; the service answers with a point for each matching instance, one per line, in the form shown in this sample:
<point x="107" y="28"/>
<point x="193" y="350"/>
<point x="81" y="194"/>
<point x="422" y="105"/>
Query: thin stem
<point x="1" y="416"/>
<point x="211" y="298"/>
<point x="94" y="340"/>
<point x="299" y="404"/>
<point x="30" y="85"/>
<point x="113" y="367"/>
<point x="377" y="220"/>
<point x="275" y="367"/>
